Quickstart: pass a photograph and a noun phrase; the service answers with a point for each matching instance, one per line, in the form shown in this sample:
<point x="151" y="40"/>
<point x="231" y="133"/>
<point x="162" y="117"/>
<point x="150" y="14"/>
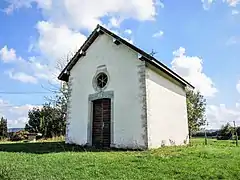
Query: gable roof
<point x="64" y="75"/>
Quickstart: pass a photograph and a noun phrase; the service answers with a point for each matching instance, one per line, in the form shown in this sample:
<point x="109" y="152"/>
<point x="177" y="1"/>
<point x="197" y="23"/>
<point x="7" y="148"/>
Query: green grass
<point x="54" y="160"/>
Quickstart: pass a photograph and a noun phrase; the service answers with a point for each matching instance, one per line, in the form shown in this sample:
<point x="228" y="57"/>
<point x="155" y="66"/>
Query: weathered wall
<point x="124" y="70"/>
<point x="167" y="111"/>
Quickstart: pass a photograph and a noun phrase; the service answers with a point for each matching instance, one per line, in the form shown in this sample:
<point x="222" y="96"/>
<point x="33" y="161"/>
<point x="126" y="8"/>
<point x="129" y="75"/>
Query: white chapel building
<point x="120" y="96"/>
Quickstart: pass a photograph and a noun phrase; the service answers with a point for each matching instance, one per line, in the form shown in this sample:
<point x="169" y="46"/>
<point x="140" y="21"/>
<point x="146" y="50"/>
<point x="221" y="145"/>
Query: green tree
<point x="196" y="107"/>
<point x="48" y="120"/>
<point x="34" y="117"/>
<point x="3" y="127"/>
<point x="238" y="131"/>
<point x="226" y="132"/>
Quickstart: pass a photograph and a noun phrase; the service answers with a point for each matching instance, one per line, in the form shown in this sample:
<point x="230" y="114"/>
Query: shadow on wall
<point x="165" y="83"/>
<point x="52" y="147"/>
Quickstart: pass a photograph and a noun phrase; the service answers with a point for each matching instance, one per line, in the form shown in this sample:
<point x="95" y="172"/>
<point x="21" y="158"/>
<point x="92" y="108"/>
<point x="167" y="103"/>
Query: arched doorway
<point x="101" y="124"/>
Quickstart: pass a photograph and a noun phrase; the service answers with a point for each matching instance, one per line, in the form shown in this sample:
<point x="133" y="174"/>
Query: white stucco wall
<point x="122" y="65"/>
<point x="167" y="111"/>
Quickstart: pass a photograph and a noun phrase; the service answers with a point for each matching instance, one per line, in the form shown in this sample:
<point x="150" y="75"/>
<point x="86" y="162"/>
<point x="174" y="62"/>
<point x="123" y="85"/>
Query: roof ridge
<point x="147" y="57"/>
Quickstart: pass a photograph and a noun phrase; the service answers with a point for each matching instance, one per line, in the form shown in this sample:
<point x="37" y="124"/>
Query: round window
<point x="101" y="80"/>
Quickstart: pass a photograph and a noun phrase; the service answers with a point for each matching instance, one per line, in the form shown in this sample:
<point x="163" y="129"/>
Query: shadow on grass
<point x="52" y="147"/>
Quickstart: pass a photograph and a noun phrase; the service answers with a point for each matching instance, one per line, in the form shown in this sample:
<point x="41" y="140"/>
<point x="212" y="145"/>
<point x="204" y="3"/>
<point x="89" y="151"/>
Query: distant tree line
<point x="226" y="132"/>
<point x="202" y="133"/>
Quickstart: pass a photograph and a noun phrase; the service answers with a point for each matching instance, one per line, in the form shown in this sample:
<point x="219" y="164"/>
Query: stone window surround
<point x="100" y="69"/>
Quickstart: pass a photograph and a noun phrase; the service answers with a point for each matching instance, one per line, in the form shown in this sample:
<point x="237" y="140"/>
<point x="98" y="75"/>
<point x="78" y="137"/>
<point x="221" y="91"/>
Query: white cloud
<point x="159" y="3"/>
<point x="7" y="55"/>
<point x="207" y="4"/>
<point x="23" y="68"/>
<point x="191" y="68"/>
<point x="235" y="12"/>
<point x="54" y="44"/>
<point x="220" y="115"/>
<point x="233" y="40"/>
<point x="128" y="31"/>
<point x="114" y="22"/>
<point x="158" y="34"/>
<point x="44" y="4"/>
<point x="232" y="3"/>
<point x="56" y="41"/>
<point x="40" y="71"/>
<point x="128" y="39"/>
<point x="87" y="13"/>
<point x="17" y="115"/>
<point x="238" y="86"/>
<point x="17" y="4"/>
<point x="21" y="76"/>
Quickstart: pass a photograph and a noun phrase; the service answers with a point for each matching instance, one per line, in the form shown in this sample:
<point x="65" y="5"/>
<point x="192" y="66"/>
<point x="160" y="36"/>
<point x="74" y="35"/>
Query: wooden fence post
<point x="205" y="134"/>
<point x="235" y="133"/>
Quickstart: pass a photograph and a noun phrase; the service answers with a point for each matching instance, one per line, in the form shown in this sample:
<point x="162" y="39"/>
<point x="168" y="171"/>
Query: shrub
<point x="223" y="137"/>
<point x="19" y="136"/>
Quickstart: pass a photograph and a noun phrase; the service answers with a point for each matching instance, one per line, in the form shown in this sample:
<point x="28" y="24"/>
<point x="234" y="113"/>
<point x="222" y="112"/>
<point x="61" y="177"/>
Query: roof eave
<point x="81" y="52"/>
<point x="148" y="57"/>
<point x="100" y="30"/>
<point x="173" y="75"/>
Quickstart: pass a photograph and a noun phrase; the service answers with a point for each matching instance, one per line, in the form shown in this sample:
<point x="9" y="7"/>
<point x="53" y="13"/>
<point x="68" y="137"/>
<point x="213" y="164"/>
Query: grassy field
<point x="54" y="160"/>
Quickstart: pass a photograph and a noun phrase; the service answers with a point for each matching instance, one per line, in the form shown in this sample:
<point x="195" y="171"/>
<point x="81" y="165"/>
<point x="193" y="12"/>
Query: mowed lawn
<point x="54" y="160"/>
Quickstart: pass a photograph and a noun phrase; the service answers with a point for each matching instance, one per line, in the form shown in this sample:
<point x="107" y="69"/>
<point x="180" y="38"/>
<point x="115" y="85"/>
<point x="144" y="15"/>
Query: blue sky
<point x="198" y="39"/>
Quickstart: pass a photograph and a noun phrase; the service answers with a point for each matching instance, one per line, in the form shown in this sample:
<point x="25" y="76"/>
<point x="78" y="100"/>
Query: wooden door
<point x="101" y="127"/>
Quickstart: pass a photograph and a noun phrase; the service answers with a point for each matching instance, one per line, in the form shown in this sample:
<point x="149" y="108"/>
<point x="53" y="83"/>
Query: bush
<point x="223" y="137"/>
<point x="19" y="136"/>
